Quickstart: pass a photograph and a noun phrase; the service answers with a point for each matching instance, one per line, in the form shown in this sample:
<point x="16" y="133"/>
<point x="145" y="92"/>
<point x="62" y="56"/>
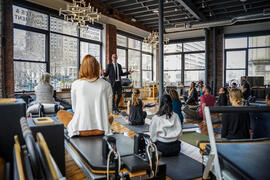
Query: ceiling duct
<point x="188" y="27"/>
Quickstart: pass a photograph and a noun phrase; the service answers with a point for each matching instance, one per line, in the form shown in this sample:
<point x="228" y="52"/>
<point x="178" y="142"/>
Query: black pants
<point x="169" y="149"/>
<point x="117" y="89"/>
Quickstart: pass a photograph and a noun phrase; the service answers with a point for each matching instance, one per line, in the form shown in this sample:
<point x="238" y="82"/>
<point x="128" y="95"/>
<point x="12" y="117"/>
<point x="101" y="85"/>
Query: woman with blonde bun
<point x="135" y="109"/>
<point x="235" y="125"/>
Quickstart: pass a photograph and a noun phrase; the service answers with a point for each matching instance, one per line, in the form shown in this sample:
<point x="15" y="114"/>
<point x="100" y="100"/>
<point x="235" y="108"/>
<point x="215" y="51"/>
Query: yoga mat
<point x="135" y="128"/>
<point x="182" y="167"/>
<point x="190" y="125"/>
<point x="193" y="137"/>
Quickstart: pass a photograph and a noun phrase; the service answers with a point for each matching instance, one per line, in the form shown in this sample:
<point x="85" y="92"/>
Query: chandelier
<point x="80" y="13"/>
<point x="153" y="39"/>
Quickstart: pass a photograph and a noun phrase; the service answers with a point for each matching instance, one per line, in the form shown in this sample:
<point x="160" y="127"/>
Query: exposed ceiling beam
<point x="142" y="10"/>
<point x="189" y="6"/>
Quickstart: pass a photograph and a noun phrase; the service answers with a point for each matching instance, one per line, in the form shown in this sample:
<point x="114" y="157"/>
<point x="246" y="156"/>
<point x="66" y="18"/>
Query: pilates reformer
<point x="117" y="156"/>
<point x="33" y="161"/>
<point x="236" y="159"/>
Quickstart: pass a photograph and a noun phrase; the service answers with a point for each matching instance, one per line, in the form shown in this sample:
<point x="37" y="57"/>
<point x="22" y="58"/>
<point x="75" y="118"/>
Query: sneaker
<point x="115" y="112"/>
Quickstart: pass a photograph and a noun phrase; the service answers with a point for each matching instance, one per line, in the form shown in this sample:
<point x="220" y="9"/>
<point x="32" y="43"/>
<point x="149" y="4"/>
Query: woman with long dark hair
<point x="165" y="128"/>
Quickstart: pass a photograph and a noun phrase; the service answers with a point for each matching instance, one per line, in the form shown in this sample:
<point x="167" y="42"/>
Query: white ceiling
<point x="57" y="4"/>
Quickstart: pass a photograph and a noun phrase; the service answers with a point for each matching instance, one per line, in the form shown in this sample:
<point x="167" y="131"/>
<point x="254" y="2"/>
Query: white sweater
<point x="91" y="103"/>
<point x="165" y="130"/>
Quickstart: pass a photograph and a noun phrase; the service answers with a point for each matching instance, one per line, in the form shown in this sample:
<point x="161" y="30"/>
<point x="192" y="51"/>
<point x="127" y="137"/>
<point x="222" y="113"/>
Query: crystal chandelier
<point x="153" y="39"/>
<point x="80" y="13"/>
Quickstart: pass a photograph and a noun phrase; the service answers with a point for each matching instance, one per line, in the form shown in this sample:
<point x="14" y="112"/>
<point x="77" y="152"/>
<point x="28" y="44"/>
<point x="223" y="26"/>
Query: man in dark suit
<point x="114" y="71"/>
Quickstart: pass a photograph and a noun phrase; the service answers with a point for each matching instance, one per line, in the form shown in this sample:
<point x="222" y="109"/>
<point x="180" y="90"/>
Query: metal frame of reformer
<point x="213" y="155"/>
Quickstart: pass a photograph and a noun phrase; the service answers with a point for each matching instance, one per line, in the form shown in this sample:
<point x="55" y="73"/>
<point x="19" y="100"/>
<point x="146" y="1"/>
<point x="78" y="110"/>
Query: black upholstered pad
<point x="90" y="148"/>
<point x="251" y="161"/>
<point x="182" y="167"/>
<point x="133" y="163"/>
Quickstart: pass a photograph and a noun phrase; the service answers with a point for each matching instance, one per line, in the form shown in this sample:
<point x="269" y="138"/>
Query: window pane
<point x="172" y="48"/>
<point x="30" y="18"/>
<point x="259" y="41"/>
<point x="191" y="76"/>
<point x="91" y="33"/>
<point x="146" y="47"/>
<point x="236" y="59"/>
<point x="235" y="43"/>
<point x="146" y="62"/>
<point x="134" y="44"/>
<point x="121" y="54"/>
<point x="147" y="76"/>
<point x="90" y="48"/>
<point x="194" y="46"/>
<point x="29" y="45"/>
<point x="121" y="40"/>
<point x="134" y="64"/>
<point x="234" y="75"/>
<point x="259" y="63"/>
<point x="172" y="62"/>
<point x="61" y="26"/>
<point x="26" y="75"/>
<point x="195" y="61"/>
<point x="63" y="57"/>
<point x="172" y="77"/>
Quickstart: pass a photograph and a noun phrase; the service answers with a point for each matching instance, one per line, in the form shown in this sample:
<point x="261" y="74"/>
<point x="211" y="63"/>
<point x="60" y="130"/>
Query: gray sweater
<point x="44" y="93"/>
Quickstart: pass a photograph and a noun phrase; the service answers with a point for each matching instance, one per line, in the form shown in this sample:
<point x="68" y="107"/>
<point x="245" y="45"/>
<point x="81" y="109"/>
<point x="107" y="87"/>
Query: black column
<point x="206" y="55"/>
<point x="160" y="30"/>
<point x="214" y="61"/>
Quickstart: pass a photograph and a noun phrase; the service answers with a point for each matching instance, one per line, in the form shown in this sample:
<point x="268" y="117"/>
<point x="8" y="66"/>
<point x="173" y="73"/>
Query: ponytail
<point x="236" y="96"/>
<point x="135" y="97"/>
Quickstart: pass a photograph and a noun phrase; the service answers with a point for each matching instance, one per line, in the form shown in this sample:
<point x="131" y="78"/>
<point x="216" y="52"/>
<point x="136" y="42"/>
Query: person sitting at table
<point x="260" y="122"/>
<point x="91" y="99"/>
<point x="223" y="97"/>
<point x="192" y="98"/>
<point x="206" y="100"/>
<point x="136" y="115"/>
<point x="235" y="125"/>
<point x="165" y="128"/>
<point x="177" y="104"/>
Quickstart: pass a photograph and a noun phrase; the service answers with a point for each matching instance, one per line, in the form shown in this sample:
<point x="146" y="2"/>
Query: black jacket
<point x="193" y="98"/>
<point x="222" y="100"/>
<point x="235" y="125"/>
<point x="111" y="73"/>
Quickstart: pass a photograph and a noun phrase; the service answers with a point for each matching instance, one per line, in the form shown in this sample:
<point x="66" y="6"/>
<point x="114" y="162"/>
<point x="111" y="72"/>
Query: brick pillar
<point x="1" y="48"/>
<point x="220" y="56"/>
<point x="111" y="45"/>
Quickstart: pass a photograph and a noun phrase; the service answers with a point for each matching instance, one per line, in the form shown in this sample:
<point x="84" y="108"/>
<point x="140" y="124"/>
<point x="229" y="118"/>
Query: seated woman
<point x="165" y="128"/>
<point x="44" y="90"/>
<point x="223" y="98"/>
<point x="91" y="99"/>
<point x="260" y="122"/>
<point x="135" y="109"/>
<point x="192" y="98"/>
<point x="235" y="125"/>
<point x="177" y="104"/>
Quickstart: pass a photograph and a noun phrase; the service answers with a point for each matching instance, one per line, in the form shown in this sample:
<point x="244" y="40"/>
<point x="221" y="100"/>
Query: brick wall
<point x="111" y="45"/>
<point x="219" y="55"/>
<point x="8" y="67"/>
<point x="1" y="48"/>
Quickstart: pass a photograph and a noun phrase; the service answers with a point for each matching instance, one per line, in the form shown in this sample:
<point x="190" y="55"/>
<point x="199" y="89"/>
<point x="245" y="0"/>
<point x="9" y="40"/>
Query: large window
<point x="192" y="55"/>
<point x="135" y="55"/>
<point x="249" y="56"/>
<point x="46" y="43"/>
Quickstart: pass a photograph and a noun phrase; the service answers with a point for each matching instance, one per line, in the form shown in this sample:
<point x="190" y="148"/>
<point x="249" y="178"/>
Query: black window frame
<point x="53" y="13"/>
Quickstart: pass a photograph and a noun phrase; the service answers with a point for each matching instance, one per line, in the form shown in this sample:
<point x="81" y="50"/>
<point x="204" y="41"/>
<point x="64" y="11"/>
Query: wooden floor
<point x="73" y="172"/>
